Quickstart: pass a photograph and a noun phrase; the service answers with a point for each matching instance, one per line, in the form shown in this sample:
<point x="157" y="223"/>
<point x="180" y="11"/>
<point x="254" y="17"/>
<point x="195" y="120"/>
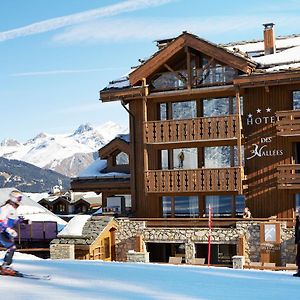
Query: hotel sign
<point x="262" y="149"/>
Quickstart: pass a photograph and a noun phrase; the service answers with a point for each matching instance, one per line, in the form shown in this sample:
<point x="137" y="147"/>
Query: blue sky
<point x="55" y="55"/>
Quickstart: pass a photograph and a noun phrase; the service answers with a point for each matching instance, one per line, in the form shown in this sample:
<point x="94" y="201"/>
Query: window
<point x="220" y="106"/>
<point x="163" y="111"/>
<point x="239" y="204"/>
<point x="221" y="205"/>
<point x="297" y="203"/>
<point x="180" y="206"/>
<point x="122" y="159"/>
<point x="217" y="157"/>
<point x="185" y="158"/>
<point x="296" y="99"/>
<point x="184" y="110"/>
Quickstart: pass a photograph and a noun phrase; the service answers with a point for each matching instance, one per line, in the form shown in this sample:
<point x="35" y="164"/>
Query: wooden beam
<point x="205" y="67"/>
<point x="178" y="75"/>
<point x="189" y="68"/>
<point x="217" y="91"/>
<point x="221" y="55"/>
<point x="157" y="60"/>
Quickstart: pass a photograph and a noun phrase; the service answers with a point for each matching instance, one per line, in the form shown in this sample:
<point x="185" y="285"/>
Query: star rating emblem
<point x="258" y="110"/>
<point x="268" y="110"/>
<point x="249" y="115"/>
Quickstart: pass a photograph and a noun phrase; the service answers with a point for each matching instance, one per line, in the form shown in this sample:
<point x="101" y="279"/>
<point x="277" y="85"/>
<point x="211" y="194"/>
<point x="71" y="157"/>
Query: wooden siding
<point x="289" y="176"/>
<point x="198" y="129"/>
<point x="196" y="180"/>
<point x="288" y="123"/>
<point x="262" y="194"/>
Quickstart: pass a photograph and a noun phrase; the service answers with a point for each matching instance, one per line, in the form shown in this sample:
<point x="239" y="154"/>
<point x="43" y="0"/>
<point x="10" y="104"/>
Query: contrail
<point x="60" y="22"/>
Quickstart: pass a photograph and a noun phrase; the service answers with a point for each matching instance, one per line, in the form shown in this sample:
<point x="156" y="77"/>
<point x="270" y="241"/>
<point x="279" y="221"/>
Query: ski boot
<point x="6" y="270"/>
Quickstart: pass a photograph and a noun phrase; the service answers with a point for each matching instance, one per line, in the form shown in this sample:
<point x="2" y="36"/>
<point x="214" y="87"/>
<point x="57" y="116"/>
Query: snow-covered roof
<point x="31" y="210"/>
<point x="74" y="226"/>
<point x="124" y="137"/>
<point x="83" y="230"/>
<point x="119" y="83"/>
<point x="287" y="56"/>
<point x="281" y="42"/>
<point x="95" y="170"/>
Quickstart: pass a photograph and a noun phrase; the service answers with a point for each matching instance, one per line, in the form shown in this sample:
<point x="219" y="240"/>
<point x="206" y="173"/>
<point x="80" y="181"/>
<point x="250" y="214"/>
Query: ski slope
<point x="103" y="280"/>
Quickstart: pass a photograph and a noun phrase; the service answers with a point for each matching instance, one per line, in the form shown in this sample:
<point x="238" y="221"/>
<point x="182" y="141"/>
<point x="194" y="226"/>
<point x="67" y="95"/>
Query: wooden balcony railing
<point x="198" y="129"/>
<point x="195" y="180"/>
<point x="288" y="122"/>
<point x="288" y="176"/>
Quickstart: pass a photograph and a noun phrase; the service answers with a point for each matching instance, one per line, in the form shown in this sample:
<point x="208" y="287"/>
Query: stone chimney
<point x="269" y="38"/>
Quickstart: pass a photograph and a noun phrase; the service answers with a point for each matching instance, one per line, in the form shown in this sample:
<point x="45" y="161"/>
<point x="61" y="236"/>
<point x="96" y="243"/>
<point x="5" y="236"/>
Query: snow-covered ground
<point x="103" y="280"/>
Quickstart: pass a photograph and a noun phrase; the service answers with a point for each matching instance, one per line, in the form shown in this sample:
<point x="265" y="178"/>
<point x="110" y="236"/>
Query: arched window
<point x="122" y="159"/>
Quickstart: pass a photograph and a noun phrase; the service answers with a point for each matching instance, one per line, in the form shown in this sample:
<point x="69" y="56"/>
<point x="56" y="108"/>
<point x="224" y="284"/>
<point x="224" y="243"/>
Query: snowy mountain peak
<point x="64" y="153"/>
<point x="9" y="143"/>
<point x="82" y="129"/>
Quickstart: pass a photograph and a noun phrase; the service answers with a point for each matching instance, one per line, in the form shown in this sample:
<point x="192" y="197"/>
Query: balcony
<point x="188" y="130"/>
<point x="194" y="181"/>
<point x="288" y="123"/>
<point x="288" y="176"/>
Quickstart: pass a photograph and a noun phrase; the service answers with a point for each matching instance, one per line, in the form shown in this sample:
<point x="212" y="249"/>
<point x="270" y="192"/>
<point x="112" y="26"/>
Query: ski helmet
<point x="15" y="197"/>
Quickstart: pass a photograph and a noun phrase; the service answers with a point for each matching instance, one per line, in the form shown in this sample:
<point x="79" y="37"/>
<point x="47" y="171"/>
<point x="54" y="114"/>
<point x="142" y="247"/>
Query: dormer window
<point x="122" y="159"/>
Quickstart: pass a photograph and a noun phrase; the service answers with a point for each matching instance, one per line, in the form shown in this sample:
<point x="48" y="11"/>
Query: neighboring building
<point x="71" y="203"/>
<point x="213" y="126"/>
<point x="86" y="237"/>
<point x="110" y="176"/>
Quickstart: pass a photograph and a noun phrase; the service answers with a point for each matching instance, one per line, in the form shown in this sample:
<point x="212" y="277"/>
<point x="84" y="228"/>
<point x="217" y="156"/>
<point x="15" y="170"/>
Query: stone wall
<point x="126" y="237"/>
<point x="128" y="230"/>
<point x="62" y="251"/>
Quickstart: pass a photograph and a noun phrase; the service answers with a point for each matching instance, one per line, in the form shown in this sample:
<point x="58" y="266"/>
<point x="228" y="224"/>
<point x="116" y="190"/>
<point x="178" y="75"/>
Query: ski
<point x="33" y="276"/>
<point x="29" y="276"/>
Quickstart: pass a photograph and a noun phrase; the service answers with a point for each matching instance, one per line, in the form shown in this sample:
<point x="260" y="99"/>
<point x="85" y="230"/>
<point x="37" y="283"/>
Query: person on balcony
<point x="297" y="242"/>
<point x="247" y="213"/>
<point x="180" y="159"/>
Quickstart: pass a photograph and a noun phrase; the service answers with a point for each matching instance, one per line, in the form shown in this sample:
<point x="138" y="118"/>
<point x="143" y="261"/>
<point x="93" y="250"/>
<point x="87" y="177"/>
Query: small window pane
<point x="296" y="99"/>
<point x="186" y="158"/>
<point x="184" y="110"/>
<point x="297" y="204"/>
<point x="167" y="206"/>
<point x="240" y="204"/>
<point x="186" y="206"/>
<point x="220" y="205"/>
<point x="217" y="157"/>
<point x="163" y="111"/>
<point x="122" y="159"/>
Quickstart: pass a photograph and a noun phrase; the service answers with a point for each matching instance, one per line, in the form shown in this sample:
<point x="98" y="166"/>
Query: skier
<point x="8" y="219"/>
<point x="297" y="242"/>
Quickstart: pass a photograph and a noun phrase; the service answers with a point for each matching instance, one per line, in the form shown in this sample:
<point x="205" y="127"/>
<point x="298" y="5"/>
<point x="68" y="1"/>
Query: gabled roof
<point x="120" y="143"/>
<point x="235" y="60"/>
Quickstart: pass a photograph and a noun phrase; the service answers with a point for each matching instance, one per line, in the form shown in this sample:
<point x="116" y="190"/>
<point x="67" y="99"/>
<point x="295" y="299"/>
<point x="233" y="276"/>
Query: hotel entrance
<point x="160" y="252"/>
<point x="221" y="254"/>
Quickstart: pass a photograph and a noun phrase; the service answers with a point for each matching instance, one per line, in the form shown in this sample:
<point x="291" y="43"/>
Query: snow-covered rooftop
<point x="286" y="57"/>
<point x="74" y="226"/>
<point x="95" y="170"/>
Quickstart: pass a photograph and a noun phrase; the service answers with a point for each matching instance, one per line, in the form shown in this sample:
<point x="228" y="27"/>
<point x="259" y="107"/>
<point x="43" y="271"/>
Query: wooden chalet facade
<point x="109" y="175"/>
<point x="234" y="118"/>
